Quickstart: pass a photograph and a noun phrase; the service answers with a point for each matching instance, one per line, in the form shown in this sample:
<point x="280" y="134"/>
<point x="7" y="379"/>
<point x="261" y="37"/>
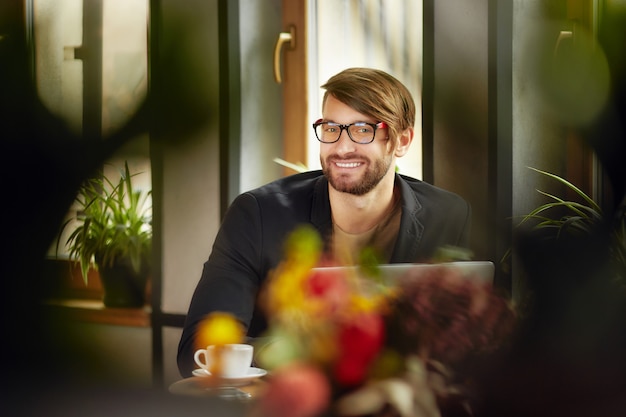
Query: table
<point x="197" y="386"/>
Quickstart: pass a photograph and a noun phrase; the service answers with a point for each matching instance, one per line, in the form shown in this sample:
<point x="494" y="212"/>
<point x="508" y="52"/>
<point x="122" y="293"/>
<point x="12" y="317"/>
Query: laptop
<point x="483" y="271"/>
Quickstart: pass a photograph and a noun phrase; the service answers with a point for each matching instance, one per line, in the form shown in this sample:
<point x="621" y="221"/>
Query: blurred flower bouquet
<point x="347" y="344"/>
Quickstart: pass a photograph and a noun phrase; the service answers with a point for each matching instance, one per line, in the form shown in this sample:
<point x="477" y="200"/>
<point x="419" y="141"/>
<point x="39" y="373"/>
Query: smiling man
<point x="356" y="201"/>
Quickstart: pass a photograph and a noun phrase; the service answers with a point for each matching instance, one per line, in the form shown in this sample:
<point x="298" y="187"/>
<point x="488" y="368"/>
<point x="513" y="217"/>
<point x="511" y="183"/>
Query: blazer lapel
<point x="411" y="230"/>
<point x="321" y="217"/>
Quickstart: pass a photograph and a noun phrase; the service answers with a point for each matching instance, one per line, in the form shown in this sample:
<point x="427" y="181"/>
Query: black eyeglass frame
<point x="375" y="126"/>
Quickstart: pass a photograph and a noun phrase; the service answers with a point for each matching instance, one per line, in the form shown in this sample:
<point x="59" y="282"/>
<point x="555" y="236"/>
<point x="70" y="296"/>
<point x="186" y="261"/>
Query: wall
<point x="464" y="116"/>
<point x="186" y="161"/>
<point x="530" y="134"/>
<point x="542" y="130"/>
<point x="537" y="141"/>
<point x="460" y="106"/>
<point x="114" y="355"/>
<point x="190" y="167"/>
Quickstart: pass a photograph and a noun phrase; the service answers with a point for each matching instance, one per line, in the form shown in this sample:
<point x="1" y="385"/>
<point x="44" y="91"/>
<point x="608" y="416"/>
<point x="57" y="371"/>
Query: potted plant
<point x="578" y="218"/>
<point x="114" y="236"/>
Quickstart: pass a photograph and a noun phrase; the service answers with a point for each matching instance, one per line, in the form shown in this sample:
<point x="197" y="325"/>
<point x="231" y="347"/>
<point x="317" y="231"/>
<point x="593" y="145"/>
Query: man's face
<point x="351" y="167"/>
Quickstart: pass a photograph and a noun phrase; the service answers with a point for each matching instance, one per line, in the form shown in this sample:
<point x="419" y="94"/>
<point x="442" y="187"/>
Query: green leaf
<point x="571" y="186"/>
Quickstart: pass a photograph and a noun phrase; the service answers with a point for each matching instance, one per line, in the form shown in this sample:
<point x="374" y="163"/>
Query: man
<point x="356" y="201"/>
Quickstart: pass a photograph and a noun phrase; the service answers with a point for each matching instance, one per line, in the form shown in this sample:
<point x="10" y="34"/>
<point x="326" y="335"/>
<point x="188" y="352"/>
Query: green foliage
<point x="115" y="224"/>
<point x="581" y="218"/>
<point x="576" y="218"/>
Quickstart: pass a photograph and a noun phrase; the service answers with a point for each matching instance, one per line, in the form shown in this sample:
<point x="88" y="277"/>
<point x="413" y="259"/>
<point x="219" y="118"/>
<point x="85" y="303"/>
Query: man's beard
<point x="367" y="183"/>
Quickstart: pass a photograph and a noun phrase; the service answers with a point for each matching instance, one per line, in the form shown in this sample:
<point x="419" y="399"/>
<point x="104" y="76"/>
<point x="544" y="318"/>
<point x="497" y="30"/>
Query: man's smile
<point x="348" y="164"/>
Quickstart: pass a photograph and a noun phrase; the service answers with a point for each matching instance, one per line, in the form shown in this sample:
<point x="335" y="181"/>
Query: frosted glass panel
<point x="124" y="60"/>
<point x="58" y="29"/>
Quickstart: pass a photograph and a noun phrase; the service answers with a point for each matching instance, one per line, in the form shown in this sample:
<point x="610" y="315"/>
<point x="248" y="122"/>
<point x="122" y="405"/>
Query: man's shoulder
<point x="304" y="181"/>
<point x="429" y="191"/>
<point x="288" y="198"/>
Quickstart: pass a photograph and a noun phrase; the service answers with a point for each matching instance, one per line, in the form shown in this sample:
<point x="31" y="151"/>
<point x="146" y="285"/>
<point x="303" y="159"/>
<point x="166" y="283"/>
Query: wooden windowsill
<point x="94" y="311"/>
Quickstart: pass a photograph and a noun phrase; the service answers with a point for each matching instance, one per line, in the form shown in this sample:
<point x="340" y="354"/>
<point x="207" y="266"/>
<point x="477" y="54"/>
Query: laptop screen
<point x="483" y="271"/>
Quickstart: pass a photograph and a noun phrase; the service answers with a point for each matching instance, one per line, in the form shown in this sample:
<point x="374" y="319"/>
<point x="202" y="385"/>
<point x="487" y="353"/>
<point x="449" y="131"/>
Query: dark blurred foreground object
<point x="570" y="358"/>
<point x="42" y="164"/>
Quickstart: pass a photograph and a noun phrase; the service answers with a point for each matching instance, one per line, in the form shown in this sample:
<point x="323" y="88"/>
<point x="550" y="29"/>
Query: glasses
<point x="359" y="132"/>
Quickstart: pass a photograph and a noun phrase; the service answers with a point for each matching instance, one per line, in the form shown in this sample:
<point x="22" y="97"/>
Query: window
<point x="91" y="71"/>
<point x="341" y="34"/>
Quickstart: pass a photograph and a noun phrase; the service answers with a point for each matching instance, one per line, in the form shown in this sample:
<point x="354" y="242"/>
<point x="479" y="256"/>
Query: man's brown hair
<point x="376" y="94"/>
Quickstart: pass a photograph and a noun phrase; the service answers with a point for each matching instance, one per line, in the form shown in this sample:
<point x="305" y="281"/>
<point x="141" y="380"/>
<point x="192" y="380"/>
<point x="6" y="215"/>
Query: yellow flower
<point x="285" y="291"/>
<point x="219" y="328"/>
<point x="285" y="288"/>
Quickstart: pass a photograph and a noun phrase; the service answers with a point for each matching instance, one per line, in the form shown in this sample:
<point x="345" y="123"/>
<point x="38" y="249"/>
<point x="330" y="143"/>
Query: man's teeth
<point x="348" y="164"/>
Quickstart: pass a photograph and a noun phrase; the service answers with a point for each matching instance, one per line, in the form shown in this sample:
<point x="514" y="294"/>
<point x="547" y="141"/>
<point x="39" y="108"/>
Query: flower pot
<point x="123" y="287"/>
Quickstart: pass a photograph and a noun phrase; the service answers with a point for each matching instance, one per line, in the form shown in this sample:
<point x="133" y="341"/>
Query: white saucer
<point x="252" y="374"/>
<point x="197" y="387"/>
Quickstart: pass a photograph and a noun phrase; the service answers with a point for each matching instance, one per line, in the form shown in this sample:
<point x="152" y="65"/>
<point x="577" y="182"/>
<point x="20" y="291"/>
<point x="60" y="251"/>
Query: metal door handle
<point x="283" y="38"/>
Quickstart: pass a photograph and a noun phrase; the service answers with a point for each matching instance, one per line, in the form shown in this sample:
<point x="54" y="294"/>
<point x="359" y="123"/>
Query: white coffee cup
<point x="235" y="359"/>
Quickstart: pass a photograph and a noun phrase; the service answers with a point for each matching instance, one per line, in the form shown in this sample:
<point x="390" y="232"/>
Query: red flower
<point x="331" y="287"/>
<point x="359" y="343"/>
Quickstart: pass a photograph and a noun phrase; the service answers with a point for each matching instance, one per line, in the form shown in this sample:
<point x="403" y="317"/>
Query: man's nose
<point x="344" y="143"/>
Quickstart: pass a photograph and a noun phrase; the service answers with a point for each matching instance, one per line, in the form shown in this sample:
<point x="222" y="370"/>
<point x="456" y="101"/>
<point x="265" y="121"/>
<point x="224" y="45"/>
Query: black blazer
<point x="250" y="242"/>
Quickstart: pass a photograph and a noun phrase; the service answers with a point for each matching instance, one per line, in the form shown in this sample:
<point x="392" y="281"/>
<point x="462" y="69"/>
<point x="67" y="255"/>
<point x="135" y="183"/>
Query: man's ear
<point x="404" y="141"/>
